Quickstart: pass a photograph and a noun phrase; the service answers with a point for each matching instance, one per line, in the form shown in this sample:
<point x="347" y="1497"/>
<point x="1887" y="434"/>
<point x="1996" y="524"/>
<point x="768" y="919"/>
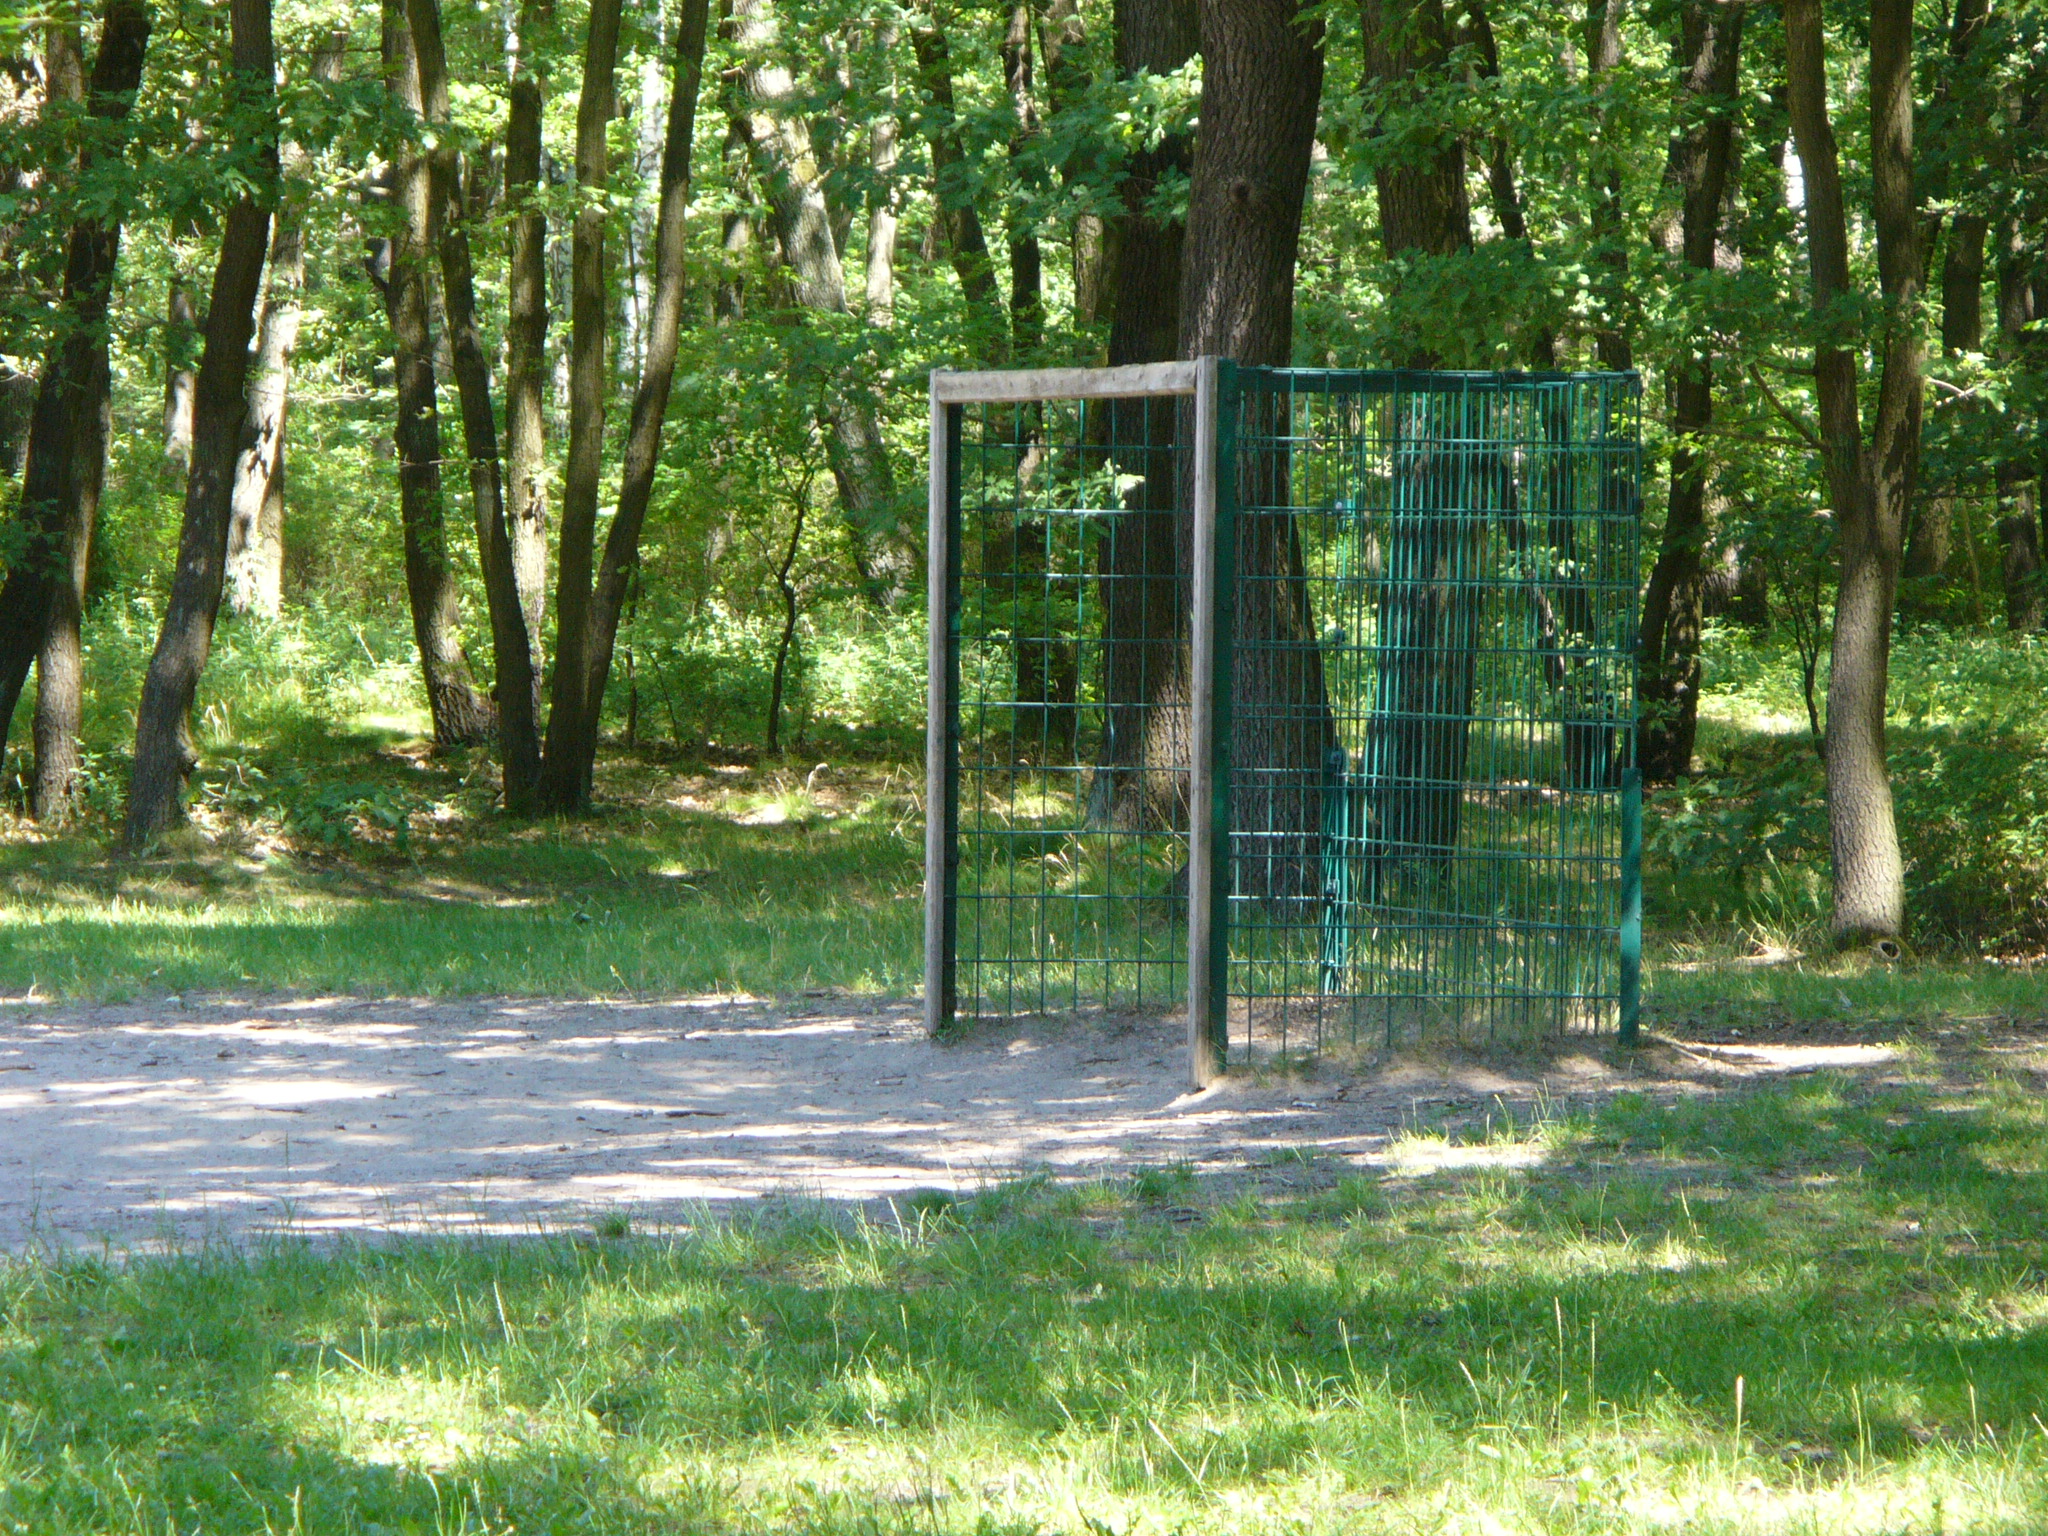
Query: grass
<point x="1817" y="1306"/>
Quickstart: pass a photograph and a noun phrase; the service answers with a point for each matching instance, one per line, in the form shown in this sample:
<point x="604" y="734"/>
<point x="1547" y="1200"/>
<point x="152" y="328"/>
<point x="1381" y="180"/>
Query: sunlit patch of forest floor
<point x="1808" y="1303"/>
<point x="382" y="869"/>
<point x="365" y="864"/>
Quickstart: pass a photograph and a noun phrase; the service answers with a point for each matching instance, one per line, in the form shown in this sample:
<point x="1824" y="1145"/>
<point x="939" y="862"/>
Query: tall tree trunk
<point x="1027" y="299"/>
<point x="66" y="454"/>
<point x="17" y="407"/>
<point x="1697" y="170"/>
<point x="255" y="574"/>
<point x="1143" y="563"/>
<point x="885" y="553"/>
<point x="181" y="379"/>
<point x="163" y="746"/>
<point x="1610" y="250"/>
<point x="511" y="649"/>
<point x="526" y="331"/>
<point x="1416" y="743"/>
<point x="255" y="568"/>
<point x="1262" y="78"/>
<point x="650" y="400"/>
<point x="954" y="191"/>
<point x="882" y="196"/>
<point x="1869" y="486"/>
<point x="460" y="714"/>
<point x="562" y="782"/>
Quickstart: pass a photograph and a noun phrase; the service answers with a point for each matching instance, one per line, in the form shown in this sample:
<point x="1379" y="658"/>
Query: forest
<point x="538" y="387"/>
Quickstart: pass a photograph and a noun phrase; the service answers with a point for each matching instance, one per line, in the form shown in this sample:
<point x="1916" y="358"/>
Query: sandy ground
<point x="185" y="1119"/>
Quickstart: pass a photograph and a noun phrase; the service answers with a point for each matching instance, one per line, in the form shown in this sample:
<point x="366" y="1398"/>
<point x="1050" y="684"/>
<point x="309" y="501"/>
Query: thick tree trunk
<point x="526" y="332"/>
<point x="1143" y="564"/>
<point x="562" y="782"/>
<point x="650" y="400"/>
<point x="1697" y="171"/>
<point x="885" y="553"/>
<point x="66" y="454"/>
<point x="1422" y="199"/>
<point x="1869" y="486"/>
<point x="181" y="379"/>
<point x="163" y="747"/>
<point x="1262" y="77"/>
<point x="511" y="648"/>
<point x="460" y="714"/>
<point x="1416" y="740"/>
<point x="60" y="673"/>
<point x="954" y="193"/>
<point x="255" y="569"/>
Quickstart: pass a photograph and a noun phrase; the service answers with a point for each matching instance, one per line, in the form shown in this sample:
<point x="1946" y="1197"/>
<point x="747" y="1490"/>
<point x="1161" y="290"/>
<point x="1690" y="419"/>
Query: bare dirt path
<point x="183" y="1119"/>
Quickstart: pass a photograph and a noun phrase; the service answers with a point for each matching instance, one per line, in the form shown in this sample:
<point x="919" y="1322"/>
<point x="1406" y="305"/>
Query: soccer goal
<point x="1302" y="700"/>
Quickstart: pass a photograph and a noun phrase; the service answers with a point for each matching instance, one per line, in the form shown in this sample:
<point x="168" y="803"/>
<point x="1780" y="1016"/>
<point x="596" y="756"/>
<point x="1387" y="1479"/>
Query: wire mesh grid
<point x="1070" y="806"/>
<point x="1431" y="672"/>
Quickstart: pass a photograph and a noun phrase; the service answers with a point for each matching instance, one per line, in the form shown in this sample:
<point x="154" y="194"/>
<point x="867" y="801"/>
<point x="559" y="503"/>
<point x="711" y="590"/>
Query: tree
<point x="1262" y="77"/>
<point x="1144" y="560"/>
<point x="1696" y="174"/>
<point x="563" y="786"/>
<point x="511" y="647"/>
<point x="400" y="268"/>
<point x="657" y="375"/>
<point x="789" y="173"/>
<point x="1870" y="483"/>
<point x="255" y="575"/>
<point x="526" y="327"/>
<point x="164" y="755"/>
<point x="42" y="600"/>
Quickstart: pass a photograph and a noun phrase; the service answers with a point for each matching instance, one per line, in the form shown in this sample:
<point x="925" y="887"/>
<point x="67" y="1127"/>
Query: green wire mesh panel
<point x="1432" y="690"/>
<point x="1070" y="806"/>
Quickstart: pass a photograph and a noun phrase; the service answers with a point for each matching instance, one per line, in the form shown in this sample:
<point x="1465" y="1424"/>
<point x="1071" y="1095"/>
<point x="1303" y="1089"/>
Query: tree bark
<point x="562" y="783"/>
<point x="1869" y="486"/>
<point x="882" y="198"/>
<point x="526" y="331"/>
<point x="1421" y="187"/>
<point x="255" y="574"/>
<point x="511" y="648"/>
<point x="65" y="459"/>
<point x="255" y="559"/>
<point x="180" y="378"/>
<point x="163" y="747"/>
<point x="885" y="553"/>
<point x="650" y="399"/>
<point x="1697" y="171"/>
<point x="1262" y="76"/>
<point x="459" y="713"/>
<point x="1143" y="562"/>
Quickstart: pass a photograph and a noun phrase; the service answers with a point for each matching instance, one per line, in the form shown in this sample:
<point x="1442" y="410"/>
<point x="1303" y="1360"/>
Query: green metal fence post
<point x="1631" y="905"/>
<point x="1220" y="682"/>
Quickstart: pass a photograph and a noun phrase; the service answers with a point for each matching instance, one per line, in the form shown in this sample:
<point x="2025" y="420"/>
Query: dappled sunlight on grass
<point x="1548" y="1338"/>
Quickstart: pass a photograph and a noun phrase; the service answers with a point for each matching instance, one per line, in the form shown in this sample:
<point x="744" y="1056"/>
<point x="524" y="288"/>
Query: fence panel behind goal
<point x="1432" y="785"/>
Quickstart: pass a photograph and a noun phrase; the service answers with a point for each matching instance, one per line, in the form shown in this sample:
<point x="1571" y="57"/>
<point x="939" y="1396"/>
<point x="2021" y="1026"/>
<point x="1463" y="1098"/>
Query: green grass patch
<point x="1547" y="1337"/>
